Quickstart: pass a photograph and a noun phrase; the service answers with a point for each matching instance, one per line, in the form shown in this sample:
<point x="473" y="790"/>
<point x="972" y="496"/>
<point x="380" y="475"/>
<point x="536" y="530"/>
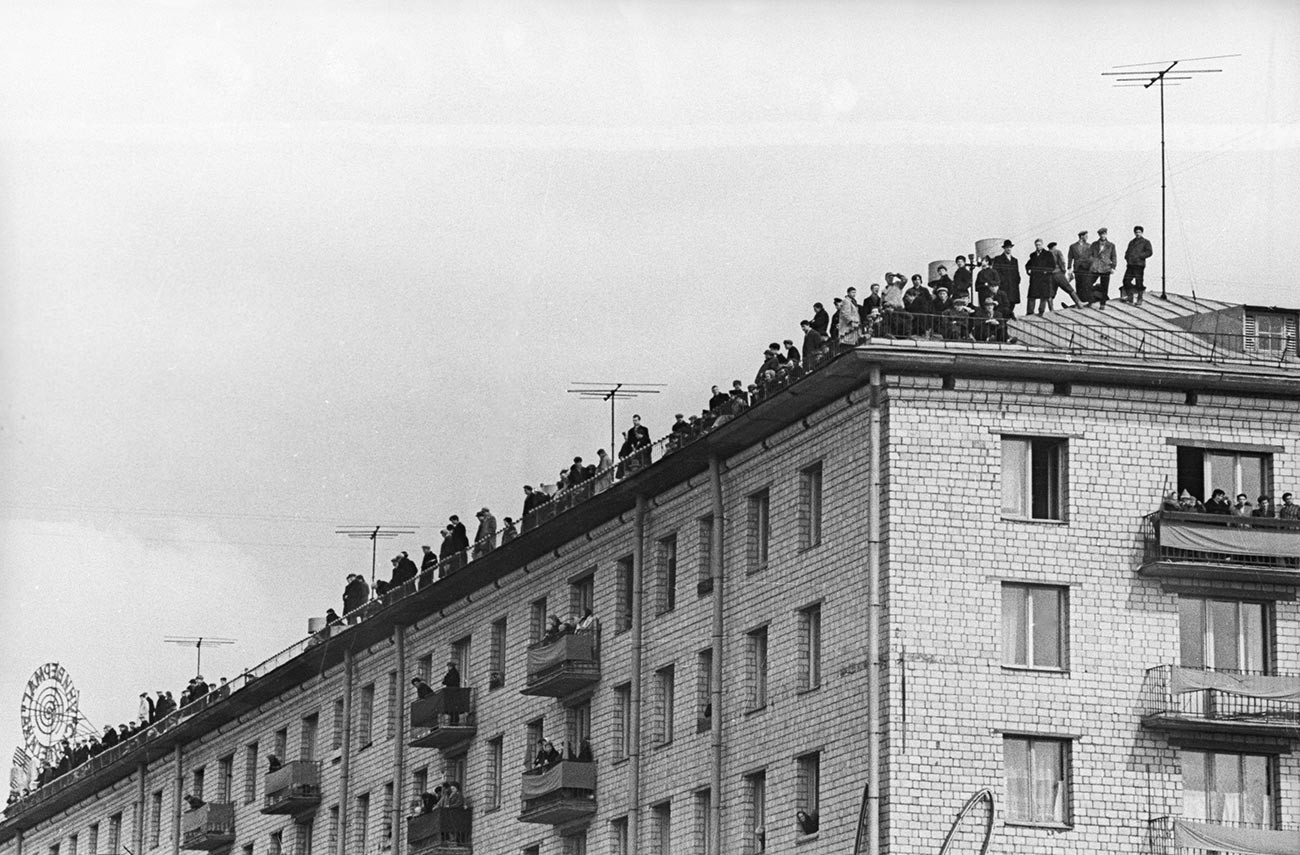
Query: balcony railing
<point x="293" y="788"/>
<point x="208" y="826"/>
<point x="1216" y="546"/>
<point x="564" y="793"/>
<point x="563" y="667"/>
<point x="1172" y="835"/>
<point x="448" y="714"/>
<point x="441" y="831"/>
<point x="1178" y="698"/>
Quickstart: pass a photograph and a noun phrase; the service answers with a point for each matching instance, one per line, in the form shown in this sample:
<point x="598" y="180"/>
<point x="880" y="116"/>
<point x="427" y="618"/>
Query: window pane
<point x="1252" y="476"/>
<point x="1047" y="626"/>
<point x="1191" y="632"/>
<point x="1225" y="801"/>
<point x="1253" y="638"/>
<point x="1046" y="469"/>
<point x="1221" y="470"/>
<point x="1224" y="629"/>
<point x="1017" y="766"/>
<point x="1015" y="476"/>
<point x="1049" y="781"/>
<point x="1014" y="637"/>
<point x="1258" y="807"/>
<point x="1194" y="769"/>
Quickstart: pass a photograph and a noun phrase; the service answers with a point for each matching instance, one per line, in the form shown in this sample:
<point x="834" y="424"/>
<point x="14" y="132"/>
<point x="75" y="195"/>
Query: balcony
<point x="442" y="831"/>
<point x="294" y="788"/>
<point x="562" y="794"/>
<point x="449" y="716"/>
<point x="1177" y="698"/>
<point x="1172" y="835"/>
<point x="208" y="827"/>
<point x="563" y="667"/>
<point x="1213" y="546"/>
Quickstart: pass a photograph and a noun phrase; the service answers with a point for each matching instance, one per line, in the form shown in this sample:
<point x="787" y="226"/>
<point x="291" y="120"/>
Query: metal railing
<point x="1157" y="550"/>
<point x="1216" y="704"/>
<point x="1162" y="838"/>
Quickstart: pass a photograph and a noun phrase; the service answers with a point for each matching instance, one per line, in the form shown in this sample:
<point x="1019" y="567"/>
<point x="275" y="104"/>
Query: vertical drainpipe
<point x="176" y="800"/>
<point x="18" y="843"/>
<point x="399" y="638"/>
<point x="138" y="837"/>
<point x="715" y="679"/>
<point x="873" y="620"/>
<point x="345" y="766"/>
<point x="634" y="758"/>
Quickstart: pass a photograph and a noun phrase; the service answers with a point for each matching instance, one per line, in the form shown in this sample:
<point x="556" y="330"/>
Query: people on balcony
<point x="1218" y="503"/>
<point x="1242" y="506"/>
<point x="807" y="821"/>
<point x="273" y="764"/>
<point x="545" y="756"/>
<point x="1289" y="510"/>
<point x="1264" y="508"/>
<point x="422" y="689"/>
<point x="193" y="802"/>
<point x="451" y="796"/>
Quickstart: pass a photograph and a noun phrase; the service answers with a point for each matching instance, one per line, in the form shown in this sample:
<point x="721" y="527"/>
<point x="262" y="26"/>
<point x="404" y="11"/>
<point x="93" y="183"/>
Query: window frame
<point x="1026" y="627"/>
<point x="811" y="494"/>
<point x="1057" y="491"/>
<point x="1064" y="747"/>
<point x="758" y="539"/>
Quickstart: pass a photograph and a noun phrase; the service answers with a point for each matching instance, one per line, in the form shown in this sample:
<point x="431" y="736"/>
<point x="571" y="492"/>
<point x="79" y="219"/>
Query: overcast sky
<point x="266" y="269"/>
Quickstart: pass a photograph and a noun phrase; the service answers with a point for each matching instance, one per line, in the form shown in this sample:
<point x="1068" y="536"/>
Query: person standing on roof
<point x="1081" y="268"/>
<point x="1103" y="265"/>
<point x="1135" y="264"/>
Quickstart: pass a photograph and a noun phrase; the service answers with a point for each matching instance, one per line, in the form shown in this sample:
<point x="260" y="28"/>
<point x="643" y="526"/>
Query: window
<point x="310" y="729"/>
<point x="532" y="732"/>
<point x="280" y="744"/>
<point x="760" y="530"/>
<point x="582" y="595"/>
<point x="390" y="715"/>
<point x="1270" y="333"/>
<point x="810" y="506"/>
<point x="1033" y="626"/>
<point x="704" y="690"/>
<point x="366" y="715"/>
<point x="1224" y="635"/>
<point x="114" y="832"/>
<point x="334" y="830"/>
<point x="623" y="574"/>
<point x="663" y="708"/>
<point x="276" y="844"/>
<point x="454" y="766"/>
<point x="248" y="849"/>
<point x="756" y="667"/>
<point x="155" y="818"/>
<point x="54" y="848"/>
<point x="1236" y="788"/>
<point x="387" y="821"/>
<point x="226" y="778"/>
<point x="703" y="823"/>
<point x="810" y="647"/>
<point x="623" y="721"/>
<point x="92" y="839"/>
<point x="196" y="784"/>
<point x="808" y="782"/>
<point x="704" y="569"/>
<point x="362" y="823"/>
<point x="72" y="844"/>
<point x="1202" y="471"/>
<point x="666" y="575"/>
<point x="302" y="837"/>
<point x="497" y="665"/>
<point x="618" y="844"/>
<point x="337" y="741"/>
<point x="574" y="844"/>
<point x="494" y="764"/>
<point x="532" y="850"/>
<point x="424" y="667"/>
<point x="419" y="785"/>
<point x="460" y="655"/>
<point x="1036" y="783"/>
<point x="250" y="773"/>
<point x="661" y="828"/>
<point x="536" y="620"/>
<point x="1033" y="478"/>
<point x="577" y="725"/>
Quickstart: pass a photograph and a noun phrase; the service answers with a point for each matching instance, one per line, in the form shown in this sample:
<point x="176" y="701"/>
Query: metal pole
<point x="374" y="551"/>
<point x="1164" y="257"/>
<point x="874" y="733"/>
<point x="634" y="772"/>
<point x="719" y="634"/>
<point x="399" y="746"/>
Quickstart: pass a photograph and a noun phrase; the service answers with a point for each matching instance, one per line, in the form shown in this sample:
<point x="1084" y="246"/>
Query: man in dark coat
<point x="459" y="536"/>
<point x="638" y="443"/>
<point x="962" y="279"/>
<point x="814" y="345"/>
<point x="1040" y="265"/>
<point x="1135" y="265"/>
<point x="355" y="593"/>
<point x="1008" y="269"/>
<point x="451" y="680"/>
<point x="718" y="400"/>
<point x="1080" y="261"/>
<point x="404" y="570"/>
<point x="820" y="320"/>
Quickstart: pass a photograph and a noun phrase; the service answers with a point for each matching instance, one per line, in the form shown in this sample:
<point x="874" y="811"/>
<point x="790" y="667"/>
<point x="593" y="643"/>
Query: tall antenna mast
<point x="374" y="533"/>
<point x="1139" y="74"/>
<point x="197" y="642"/>
<point x="613" y="392"/>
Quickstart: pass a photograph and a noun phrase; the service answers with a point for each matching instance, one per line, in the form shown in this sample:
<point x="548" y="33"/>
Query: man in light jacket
<point x="1103" y="265"/>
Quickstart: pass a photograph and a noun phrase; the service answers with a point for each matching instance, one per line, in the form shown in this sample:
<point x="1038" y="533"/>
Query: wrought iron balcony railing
<point x="1172" y="835"/>
<point x="1178" y="698"/>
<point x="1222" y="547"/>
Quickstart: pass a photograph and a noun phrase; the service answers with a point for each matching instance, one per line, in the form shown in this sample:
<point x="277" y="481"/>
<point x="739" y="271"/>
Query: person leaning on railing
<point x="1289" y="510"/>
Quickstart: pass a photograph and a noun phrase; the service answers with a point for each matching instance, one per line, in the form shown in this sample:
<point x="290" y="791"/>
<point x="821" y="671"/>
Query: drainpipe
<point x="715" y="679"/>
<point x="399" y="639"/>
<point x="138" y="837"/>
<point x="634" y="765"/>
<point x="176" y="800"/>
<point x="345" y="765"/>
<point x="873" y="620"/>
<point x="18" y="843"/>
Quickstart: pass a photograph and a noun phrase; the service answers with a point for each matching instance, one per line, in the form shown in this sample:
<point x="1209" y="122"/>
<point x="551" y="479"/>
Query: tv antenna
<point x="374" y="533"/>
<point x="613" y="392"/>
<point x="1162" y="74"/>
<point x="197" y="642"/>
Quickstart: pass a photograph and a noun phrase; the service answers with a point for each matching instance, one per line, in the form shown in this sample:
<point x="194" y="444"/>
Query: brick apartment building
<point x="1121" y="679"/>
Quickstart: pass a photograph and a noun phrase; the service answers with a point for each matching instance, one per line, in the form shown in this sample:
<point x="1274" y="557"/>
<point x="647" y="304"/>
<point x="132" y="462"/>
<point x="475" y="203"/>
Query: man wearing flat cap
<point x="1103" y="265"/>
<point x="1008" y="270"/>
<point x="1139" y="250"/>
<point x="1080" y="259"/>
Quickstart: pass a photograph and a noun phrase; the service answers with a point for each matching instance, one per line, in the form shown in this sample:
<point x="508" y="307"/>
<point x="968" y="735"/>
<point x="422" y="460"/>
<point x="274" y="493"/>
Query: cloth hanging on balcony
<point x="1250" y="685"/>
<point x="1254" y="841"/>
<point x="567" y="775"/>
<point x="578" y="647"/>
<point x="1230" y="540"/>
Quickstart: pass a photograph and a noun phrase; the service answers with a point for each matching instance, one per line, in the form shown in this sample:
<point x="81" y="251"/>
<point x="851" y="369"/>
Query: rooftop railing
<point x="1174" y="835"/>
<point x="1232" y="700"/>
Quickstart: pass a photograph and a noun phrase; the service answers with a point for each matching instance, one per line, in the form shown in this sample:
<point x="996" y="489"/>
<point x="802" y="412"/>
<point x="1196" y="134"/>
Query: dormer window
<point x="1270" y="333"/>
